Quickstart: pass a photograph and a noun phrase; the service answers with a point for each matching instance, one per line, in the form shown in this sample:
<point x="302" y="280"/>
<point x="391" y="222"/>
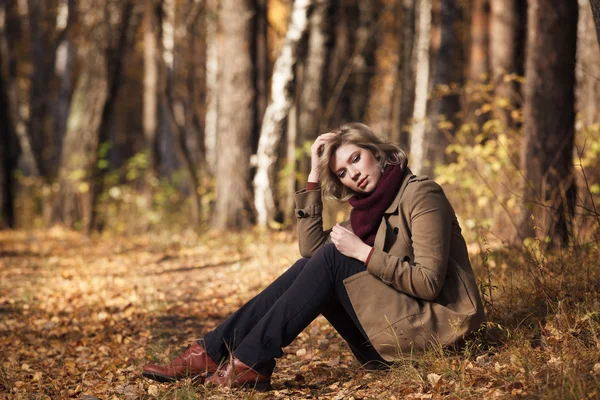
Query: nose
<point x="355" y="174"/>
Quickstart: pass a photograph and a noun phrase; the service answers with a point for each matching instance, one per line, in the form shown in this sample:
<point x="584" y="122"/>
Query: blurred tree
<point x="91" y="109"/>
<point x="508" y="19"/>
<point x="313" y="78"/>
<point x="8" y="151"/>
<point x="282" y="96"/>
<point x="381" y="101"/>
<point x="211" y="22"/>
<point x="179" y="103"/>
<point x="547" y="156"/>
<point x="312" y="83"/>
<point x="595" y="4"/>
<point x="588" y="67"/>
<point x="479" y="66"/>
<point x="405" y="86"/>
<point x="363" y="59"/>
<point x="65" y="57"/>
<point x="237" y="112"/>
<point x="418" y="142"/>
<point x="150" y="98"/>
<point x="345" y="50"/>
<point x="447" y="78"/>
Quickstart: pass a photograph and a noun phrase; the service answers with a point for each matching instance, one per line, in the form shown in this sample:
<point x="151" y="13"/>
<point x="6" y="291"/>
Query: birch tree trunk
<point x="212" y="83"/>
<point x="150" y="99"/>
<point x="237" y="111"/>
<point x="547" y="157"/>
<point x="418" y="145"/>
<point x="588" y="67"/>
<point x="282" y="97"/>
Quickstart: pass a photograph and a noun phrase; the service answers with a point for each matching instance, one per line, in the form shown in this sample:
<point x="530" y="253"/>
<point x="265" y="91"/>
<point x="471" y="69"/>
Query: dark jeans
<point x="257" y="332"/>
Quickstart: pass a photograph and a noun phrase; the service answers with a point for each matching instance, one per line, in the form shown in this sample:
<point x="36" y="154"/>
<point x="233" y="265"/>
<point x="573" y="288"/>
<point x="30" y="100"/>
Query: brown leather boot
<point x="193" y="363"/>
<point x="238" y="374"/>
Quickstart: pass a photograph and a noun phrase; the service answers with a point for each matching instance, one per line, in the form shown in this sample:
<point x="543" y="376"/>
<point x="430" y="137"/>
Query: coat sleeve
<point x="309" y="215"/>
<point x="431" y="218"/>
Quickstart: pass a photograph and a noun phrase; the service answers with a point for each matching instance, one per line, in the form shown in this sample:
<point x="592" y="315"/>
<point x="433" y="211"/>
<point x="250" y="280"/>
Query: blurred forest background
<point x="137" y="115"/>
<point x="159" y="123"/>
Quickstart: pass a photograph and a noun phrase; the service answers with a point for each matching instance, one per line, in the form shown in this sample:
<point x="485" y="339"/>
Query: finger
<point x="345" y="229"/>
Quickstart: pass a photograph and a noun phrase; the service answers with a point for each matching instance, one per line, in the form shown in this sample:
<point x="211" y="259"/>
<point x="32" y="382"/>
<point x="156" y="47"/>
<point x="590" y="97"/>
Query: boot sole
<point x="168" y="379"/>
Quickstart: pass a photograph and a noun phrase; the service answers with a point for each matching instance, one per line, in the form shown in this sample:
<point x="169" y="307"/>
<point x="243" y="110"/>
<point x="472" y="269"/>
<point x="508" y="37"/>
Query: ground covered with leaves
<point x="79" y="316"/>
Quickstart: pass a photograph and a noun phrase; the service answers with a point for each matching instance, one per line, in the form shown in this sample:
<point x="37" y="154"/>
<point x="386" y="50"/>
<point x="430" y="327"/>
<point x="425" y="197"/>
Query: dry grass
<point x="80" y="316"/>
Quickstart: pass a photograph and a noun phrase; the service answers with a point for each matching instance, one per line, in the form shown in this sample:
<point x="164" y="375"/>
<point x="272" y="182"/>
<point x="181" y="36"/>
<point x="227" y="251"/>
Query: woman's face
<point x="356" y="168"/>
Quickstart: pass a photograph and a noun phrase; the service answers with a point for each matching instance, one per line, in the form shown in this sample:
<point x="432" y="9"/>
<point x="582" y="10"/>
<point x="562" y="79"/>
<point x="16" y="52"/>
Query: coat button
<point x="301" y="213"/>
<point x="396" y="230"/>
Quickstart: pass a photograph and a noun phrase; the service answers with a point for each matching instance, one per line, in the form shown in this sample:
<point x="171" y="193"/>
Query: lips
<point x="362" y="182"/>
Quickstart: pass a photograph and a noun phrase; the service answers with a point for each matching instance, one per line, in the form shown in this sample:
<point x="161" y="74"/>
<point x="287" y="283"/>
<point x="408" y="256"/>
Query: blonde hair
<point x="362" y="136"/>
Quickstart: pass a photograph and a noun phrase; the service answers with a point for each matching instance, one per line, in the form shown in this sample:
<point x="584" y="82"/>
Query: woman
<point x="393" y="279"/>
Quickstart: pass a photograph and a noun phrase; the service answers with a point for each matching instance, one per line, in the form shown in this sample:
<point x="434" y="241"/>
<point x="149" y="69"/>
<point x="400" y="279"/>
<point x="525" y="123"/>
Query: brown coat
<point x="419" y="289"/>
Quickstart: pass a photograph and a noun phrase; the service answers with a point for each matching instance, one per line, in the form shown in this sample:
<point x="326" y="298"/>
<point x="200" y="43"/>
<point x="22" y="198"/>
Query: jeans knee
<point x="327" y="253"/>
<point x="299" y="265"/>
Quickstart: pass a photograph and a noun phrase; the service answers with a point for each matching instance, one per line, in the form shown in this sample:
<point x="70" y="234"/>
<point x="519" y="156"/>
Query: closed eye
<point x="342" y="174"/>
<point x="356" y="159"/>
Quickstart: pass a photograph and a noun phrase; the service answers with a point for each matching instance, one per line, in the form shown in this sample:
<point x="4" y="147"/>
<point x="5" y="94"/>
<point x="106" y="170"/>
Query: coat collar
<point x="408" y="177"/>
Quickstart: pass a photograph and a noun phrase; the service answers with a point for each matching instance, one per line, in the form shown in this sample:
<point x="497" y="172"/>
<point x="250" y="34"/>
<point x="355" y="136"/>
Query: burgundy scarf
<point x="368" y="210"/>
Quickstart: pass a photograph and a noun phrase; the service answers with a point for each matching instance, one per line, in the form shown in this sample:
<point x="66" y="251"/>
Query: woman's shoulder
<point x="421" y="187"/>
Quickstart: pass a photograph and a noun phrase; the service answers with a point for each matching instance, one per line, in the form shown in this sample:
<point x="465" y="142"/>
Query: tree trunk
<point x="64" y="71"/>
<point x="595" y="4"/>
<point x="30" y="163"/>
<point x="237" y="110"/>
<point x="448" y="78"/>
<point x="8" y="151"/>
<point x="405" y="86"/>
<point x="150" y="99"/>
<point x="212" y="83"/>
<point x="81" y="140"/>
<point x="479" y="67"/>
<point x="379" y="115"/>
<point x="262" y="60"/>
<point x="338" y="107"/>
<point x="177" y="106"/>
<point x="549" y="115"/>
<point x="506" y="38"/>
<point x="418" y="144"/>
<point x="39" y="89"/>
<point x="588" y="67"/>
<point x="313" y="87"/>
<point x="115" y="55"/>
<point x="289" y="216"/>
<point x="363" y="60"/>
<point x="282" y="97"/>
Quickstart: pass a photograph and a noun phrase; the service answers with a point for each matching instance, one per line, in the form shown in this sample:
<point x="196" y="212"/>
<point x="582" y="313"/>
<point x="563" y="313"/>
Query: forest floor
<point x="80" y="316"/>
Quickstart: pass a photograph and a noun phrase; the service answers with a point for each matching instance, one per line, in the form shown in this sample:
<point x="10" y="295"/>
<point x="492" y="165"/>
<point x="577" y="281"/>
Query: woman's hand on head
<point x="349" y="244"/>
<point x="315" y="152"/>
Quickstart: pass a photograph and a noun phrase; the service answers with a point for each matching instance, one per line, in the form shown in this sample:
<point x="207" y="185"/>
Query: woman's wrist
<point x="313" y="176"/>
